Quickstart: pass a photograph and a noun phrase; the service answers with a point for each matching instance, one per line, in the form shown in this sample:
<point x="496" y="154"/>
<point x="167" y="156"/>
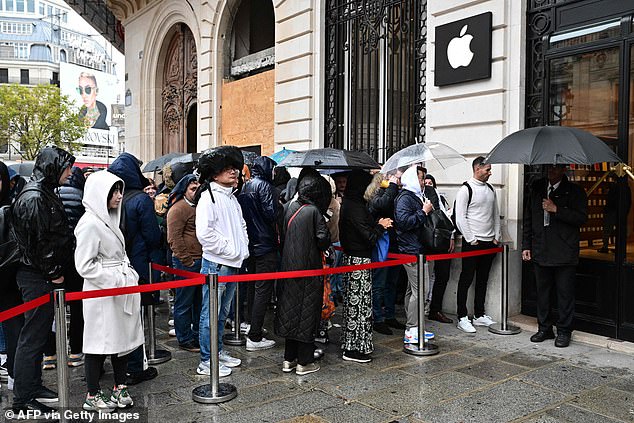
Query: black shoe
<point x="563" y="339"/>
<point x="439" y="317"/>
<point x="32" y="405"/>
<point x="45" y="395"/>
<point x="382" y="327"/>
<point x="356" y="356"/>
<point x="190" y="346"/>
<point x="393" y="323"/>
<point x="541" y="336"/>
<point x="136" y="378"/>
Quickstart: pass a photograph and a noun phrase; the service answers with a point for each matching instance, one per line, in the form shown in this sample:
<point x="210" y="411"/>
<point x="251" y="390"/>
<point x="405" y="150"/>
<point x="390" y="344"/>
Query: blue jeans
<point x="226" y="293"/>
<point x="384" y="292"/>
<point x="187" y="305"/>
<point x="336" y="284"/>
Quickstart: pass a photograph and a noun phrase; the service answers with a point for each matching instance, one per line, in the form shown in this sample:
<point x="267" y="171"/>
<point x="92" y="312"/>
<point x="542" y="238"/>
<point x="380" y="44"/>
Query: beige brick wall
<point x="248" y="111"/>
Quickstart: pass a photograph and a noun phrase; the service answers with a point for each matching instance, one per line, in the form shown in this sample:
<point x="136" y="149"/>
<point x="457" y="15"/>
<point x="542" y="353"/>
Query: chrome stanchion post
<point x="424" y="347"/>
<point x="215" y="392"/>
<point x="155" y="356"/>
<point x="503" y="328"/>
<point x="59" y="300"/>
<point x="235" y="338"/>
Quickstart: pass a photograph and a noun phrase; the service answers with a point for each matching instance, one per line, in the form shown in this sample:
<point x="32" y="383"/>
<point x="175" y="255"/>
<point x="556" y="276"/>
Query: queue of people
<point x="220" y="221"/>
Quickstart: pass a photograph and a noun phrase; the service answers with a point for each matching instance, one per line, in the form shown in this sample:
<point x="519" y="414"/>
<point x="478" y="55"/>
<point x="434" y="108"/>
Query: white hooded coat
<point x="112" y="325"/>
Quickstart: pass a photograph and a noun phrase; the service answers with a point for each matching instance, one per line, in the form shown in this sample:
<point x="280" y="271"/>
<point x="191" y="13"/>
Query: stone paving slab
<point x="566" y="378"/>
<point x="492" y="370"/>
<point x="609" y="402"/>
<point x="567" y="413"/>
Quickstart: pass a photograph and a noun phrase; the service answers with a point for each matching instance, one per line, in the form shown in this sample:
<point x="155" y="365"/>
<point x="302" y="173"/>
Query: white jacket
<point x="112" y="325"/>
<point x="480" y="220"/>
<point x="220" y="227"/>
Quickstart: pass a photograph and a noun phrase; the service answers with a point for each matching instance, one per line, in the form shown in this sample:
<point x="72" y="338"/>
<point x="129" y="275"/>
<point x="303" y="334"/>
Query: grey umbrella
<point x="24" y="169"/>
<point x="330" y="158"/>
<point x="159" y="162"/>
<point x="551" y="145"/>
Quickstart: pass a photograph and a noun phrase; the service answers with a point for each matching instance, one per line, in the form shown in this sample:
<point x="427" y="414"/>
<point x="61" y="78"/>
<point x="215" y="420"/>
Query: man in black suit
<point x="554" y="212"/>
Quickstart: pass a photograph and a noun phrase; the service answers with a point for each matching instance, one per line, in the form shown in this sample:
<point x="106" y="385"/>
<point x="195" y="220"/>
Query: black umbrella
<point x="186" y="158"/>
<point x="330" y="158"/>
<point x="159" y="162"/>
<point x="249" y="157"/>
<point x="551" y="145"/>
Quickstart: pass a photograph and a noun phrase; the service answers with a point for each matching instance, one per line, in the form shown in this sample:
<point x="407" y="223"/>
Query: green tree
<point x="38" y="116"/>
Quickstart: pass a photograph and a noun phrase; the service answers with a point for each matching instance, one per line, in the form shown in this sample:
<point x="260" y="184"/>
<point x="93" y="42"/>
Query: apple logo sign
<point x="459" y="49"/>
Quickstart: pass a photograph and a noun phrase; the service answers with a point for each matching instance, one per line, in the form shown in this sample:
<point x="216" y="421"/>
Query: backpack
<point x="453" y="212"/>
<point x="9" y="248"/>
<point x="123" y="224"/>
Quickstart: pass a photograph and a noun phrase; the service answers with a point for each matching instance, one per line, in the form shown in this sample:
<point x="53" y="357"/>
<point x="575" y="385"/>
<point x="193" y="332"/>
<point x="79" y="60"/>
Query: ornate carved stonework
<point x="180" y="88"/>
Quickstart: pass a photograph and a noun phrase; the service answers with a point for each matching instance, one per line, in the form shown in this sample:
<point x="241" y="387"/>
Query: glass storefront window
<point x="586" y="35"/>
<point x="630" y="161"/>
<point x="584" y="93"/>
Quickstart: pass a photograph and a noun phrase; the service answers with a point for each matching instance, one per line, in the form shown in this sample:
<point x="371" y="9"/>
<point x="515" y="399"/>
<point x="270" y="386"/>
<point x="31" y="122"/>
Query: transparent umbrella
<point x="434" y="155"/>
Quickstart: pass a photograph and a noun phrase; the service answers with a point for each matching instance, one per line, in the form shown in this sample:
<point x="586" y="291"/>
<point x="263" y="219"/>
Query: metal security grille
<point x="375" y="75"/>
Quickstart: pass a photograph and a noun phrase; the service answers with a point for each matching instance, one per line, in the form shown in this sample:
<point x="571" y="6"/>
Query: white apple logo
<point x="459" y="49"/>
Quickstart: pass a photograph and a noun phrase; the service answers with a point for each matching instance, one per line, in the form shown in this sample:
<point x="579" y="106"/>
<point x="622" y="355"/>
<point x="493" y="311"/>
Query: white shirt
<point x="480" y="221"/>
<point x="220" y="227"/>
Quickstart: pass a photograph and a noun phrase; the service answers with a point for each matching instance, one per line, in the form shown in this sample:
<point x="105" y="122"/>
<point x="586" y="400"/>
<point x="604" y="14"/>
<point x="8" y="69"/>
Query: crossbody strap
<point x="288" y="225"/>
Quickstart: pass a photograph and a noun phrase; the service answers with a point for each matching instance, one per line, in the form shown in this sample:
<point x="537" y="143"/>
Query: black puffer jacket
<point x="382" y="205"/>
<point x="558" y="243"/>
<point x="71" y="194"/>
<point x="305" y="238"/>
<point x="41" y="227"/>
<point x="358" y="231"/>
<point x="260" y="208"/>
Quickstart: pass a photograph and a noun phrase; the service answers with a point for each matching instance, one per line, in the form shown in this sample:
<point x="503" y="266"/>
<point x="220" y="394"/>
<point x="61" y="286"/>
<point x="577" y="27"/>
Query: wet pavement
<point x="475" y="378"/>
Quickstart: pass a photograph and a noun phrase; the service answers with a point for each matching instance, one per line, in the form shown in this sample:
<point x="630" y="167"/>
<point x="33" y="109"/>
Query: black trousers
<point x="93" y="364"/>
<point x="261" y="293"/>
<point x="303" y="352"/>
<point x="441" y="277"/>
<point x="33" y="336"/>
<point x="9" y="298"/>
<point x="562" y="280"/>
<point x="480" y="267"/>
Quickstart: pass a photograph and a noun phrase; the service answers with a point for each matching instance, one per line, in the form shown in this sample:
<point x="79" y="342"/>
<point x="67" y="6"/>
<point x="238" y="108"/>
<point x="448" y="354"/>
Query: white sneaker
<point x="204" y="369"/>
<point x="170" y="322"/>
<point x="465" y="325"/>
<point x="264" y="344"/>
<point x="172" y="332"/>
<point x="244" y="328"/>
<point x="411" y="336"/>
<point x="483" y="320"/>
<point x="10" y="384"/>
<point x="227" y="360"/>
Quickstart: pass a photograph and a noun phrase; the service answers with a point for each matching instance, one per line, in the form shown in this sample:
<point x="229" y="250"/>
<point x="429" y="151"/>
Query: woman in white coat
<point x="112" y="325"/>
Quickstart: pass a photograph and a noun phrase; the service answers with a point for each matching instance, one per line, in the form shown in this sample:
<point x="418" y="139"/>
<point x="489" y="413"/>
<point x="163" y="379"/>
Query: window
<point x="19" y="6"/>
<point x="9" y="5"/>
<point x="4" y="76"/>
<point x="65" y="17"/>
<point x="49" y="10"/>
<point x="30" y="6"/>
<point x="41" y="8"/>
<point x="24" y="76"/>
<point x="21" y="50"/>
<point x="19" y="28"/>
<point x="1" y="5"/>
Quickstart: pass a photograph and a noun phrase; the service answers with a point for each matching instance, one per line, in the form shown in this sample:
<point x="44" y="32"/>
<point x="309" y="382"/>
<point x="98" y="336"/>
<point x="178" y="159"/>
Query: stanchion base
<point x="160" y="356"/>
<point x="496" y="328"/>
<point x="203" y="395"/>
<point x="230" y="339"/>
<point x="428" y="349"/>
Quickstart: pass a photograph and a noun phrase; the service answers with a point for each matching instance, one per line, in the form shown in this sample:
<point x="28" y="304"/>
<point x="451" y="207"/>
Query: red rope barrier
<point x="177" y="272"/>
<point x="433" y="257"/>
<point x="23" y="308"/>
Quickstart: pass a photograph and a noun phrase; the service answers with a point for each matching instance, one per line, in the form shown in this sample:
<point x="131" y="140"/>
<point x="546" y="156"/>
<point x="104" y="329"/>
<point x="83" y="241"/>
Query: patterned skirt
<point x="357" y="307"/>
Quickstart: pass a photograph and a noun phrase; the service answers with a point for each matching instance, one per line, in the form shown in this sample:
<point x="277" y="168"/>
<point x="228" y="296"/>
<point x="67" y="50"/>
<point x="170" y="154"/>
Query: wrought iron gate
<point x="375" y="75"/>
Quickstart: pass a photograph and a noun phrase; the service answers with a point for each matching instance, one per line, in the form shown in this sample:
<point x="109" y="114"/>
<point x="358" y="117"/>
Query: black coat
<point x="71" y="194"/>
<point x="41" y="227"/>
<point x="260" y="208"/>
<point x="558" y="243"/>
<point x="409" y="219"/>
<point x="381" y="206"/>
<point x="300" y="300"/>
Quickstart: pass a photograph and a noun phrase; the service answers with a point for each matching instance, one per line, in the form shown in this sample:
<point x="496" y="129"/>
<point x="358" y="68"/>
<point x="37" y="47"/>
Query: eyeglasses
<point x="87" y="89"/>
<point x="231" y="170"/>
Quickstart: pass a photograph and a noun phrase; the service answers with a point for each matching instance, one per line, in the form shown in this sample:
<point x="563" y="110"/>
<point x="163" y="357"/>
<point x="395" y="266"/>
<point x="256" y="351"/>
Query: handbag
<point x="380" y="250"/>
<point x="436" y="232"/>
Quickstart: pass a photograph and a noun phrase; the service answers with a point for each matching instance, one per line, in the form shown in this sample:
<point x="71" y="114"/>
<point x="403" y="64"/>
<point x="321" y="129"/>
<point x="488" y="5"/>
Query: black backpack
<point x="9" y="248"/>
<point x="453" y="212"/>
<point x="123" y="224"/>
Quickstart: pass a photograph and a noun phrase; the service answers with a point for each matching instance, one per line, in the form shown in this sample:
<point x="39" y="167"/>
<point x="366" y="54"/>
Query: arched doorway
<point x="179" y="93"/>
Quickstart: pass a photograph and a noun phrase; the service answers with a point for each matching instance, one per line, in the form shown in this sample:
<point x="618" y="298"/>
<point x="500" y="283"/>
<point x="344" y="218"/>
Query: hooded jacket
<point x="305" y="238"/>
<point x="409" y="216"/>
<point x="143" y="232"/>
<point x="260" y="208"/>
<point x="41" y="227"/>
<point x="5" y="191"/>
<point x="71" y="194"/>
<point x="181" y="224"/>
<point x="111" y="324"/>
<point x="358" y="231"/>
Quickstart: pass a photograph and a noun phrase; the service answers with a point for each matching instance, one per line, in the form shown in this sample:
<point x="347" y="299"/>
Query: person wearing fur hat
<point x="222" y="233"/>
